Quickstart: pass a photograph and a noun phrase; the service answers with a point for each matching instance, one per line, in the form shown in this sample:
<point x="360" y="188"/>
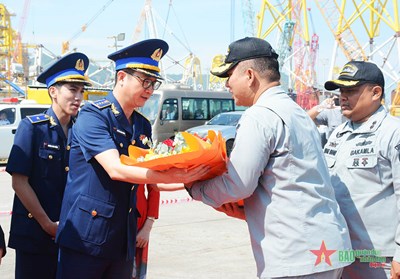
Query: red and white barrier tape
<point x="172" y="201"/>
<point x="5" y="213"/>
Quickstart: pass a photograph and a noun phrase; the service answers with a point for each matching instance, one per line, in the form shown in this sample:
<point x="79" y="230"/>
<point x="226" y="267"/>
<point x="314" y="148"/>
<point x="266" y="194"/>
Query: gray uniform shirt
<point x="278" y="167"/>
<point x="332" y="118"/>
<point x="365" y="171"/>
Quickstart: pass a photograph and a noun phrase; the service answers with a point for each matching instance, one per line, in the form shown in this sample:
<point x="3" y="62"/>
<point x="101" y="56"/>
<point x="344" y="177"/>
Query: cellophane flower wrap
<point x="185" y="151"/>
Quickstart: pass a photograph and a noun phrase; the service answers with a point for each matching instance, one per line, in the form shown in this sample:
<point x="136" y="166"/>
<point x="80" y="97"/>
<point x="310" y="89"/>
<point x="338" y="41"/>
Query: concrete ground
<point x="190" y="240"/>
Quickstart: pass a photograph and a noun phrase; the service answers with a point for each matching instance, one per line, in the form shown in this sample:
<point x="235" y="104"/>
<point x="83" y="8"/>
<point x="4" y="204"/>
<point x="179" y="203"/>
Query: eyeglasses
<point x="146" y="83"/>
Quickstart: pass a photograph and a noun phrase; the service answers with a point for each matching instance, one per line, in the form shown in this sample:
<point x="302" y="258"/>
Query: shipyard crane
<point x="248" y="17"/>
<point x="304" y="58"/>
<point x="18" y="53"/>
<point x="146" y="16"/>
<point x="340" y="26"/>
<point x="216" y="83"/>
<point x="371" y="18"/>
<point x="66" y="44"/>
<point x="6" y="42"/>
<point x="19" y="66"/>
<point x="289" y="18"/>
<point x="192" y="72"/>
<point x="285" y="42"/>
<point x="190" y="63"/>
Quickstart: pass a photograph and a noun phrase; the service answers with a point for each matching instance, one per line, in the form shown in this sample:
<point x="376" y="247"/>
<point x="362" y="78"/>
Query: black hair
<point x="267" y="67"/>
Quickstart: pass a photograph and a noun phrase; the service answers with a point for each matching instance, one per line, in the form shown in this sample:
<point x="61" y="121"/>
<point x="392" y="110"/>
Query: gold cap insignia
<point x="80" y="65"/>
<point x="227" y="52"/>
<point x="349" y="70"/>
<point x="157" y="54"/>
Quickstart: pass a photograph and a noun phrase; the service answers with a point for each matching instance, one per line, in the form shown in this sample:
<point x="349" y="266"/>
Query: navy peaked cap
<point x="143" y="56"/>
<point x="69" y="68"/>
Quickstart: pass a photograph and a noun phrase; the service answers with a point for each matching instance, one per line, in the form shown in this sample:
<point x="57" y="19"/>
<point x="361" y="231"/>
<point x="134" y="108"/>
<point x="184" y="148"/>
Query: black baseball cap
<point x="356" y="73"/>
<point x="243" y="49"/>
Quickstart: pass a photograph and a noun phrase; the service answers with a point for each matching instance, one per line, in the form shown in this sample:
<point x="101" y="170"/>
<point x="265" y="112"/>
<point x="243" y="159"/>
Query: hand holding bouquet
<point x="185" y="151"/>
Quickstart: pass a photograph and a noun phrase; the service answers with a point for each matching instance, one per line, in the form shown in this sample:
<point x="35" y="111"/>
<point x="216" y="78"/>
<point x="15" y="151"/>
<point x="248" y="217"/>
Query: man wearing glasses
<point x="97" y="230"/>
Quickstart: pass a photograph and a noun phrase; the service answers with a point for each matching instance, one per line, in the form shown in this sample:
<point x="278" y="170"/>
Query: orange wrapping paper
<point x="201" y="153"/>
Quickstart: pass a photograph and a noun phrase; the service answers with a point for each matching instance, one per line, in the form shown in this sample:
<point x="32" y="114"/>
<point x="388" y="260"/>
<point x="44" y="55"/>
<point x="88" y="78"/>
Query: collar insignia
<point x="114" y="109"/>
<point x="52" y="121"/>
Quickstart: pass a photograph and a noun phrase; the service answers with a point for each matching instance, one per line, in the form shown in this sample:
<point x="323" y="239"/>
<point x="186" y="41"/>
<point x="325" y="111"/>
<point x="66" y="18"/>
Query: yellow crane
<point x="6" y="45"/>
<point x="296" y="47"/>
<point x="370" y="17"/>
<point x="340" y="26"/>
<point x="66" y="44"/>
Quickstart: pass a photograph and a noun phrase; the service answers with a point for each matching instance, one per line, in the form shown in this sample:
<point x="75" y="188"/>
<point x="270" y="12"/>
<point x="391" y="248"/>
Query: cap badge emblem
<point x="227" y="52"/>
<point x="157" y="54"/>
<point x="80" y="65"/>
<point x="349" y="70"/>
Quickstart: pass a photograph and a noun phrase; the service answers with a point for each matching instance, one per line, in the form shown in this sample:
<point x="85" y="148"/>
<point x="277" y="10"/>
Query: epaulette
<point x="140" y="113"/>
<point x="102" y="103"/>
<point x="38" y="118"/>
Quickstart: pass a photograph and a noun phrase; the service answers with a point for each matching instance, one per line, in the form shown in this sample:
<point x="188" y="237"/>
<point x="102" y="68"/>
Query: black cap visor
<point x="223" y="69"/>
<point x="338" y="83"/>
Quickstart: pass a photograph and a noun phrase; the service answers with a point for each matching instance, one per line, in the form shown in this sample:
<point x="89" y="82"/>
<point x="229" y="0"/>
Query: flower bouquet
<point x="185" y="151"/>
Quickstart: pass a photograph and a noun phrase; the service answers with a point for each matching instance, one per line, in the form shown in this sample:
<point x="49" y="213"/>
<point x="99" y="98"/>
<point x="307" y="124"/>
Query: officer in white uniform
<point x="278" y="168"/>
<point x="363" y="159"/>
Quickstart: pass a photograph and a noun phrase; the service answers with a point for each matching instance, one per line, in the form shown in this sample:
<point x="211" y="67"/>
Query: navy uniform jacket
<point x="2" y="243"/>
<point x="98" y="215"/>
<point x="40" y="151"/>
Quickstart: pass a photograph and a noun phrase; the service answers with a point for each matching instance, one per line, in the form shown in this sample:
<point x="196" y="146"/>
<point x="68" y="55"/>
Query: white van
<point x="173" y="109"/>
<point x="14" y="112"/>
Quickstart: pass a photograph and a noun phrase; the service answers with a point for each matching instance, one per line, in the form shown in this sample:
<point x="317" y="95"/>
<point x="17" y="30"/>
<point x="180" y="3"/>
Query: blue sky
<point x="204" y="30"/>
<point x="203" y="26"/>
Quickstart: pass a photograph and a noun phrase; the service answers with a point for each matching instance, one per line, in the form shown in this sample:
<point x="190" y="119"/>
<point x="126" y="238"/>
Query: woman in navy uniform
<point x="38" y="163"/>
<point x="97" y="230"/>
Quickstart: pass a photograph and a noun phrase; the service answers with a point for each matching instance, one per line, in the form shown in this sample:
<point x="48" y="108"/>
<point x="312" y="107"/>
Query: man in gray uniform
<point x="327" y="113"/>
<point x="363" y="160"/>
<point x="278" y="168"/>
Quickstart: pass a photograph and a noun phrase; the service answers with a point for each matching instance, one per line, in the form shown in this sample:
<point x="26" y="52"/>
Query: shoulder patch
<point x="142" y="115"/>
<point x="37" y="118"/>
<point x="102" y="103"/>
